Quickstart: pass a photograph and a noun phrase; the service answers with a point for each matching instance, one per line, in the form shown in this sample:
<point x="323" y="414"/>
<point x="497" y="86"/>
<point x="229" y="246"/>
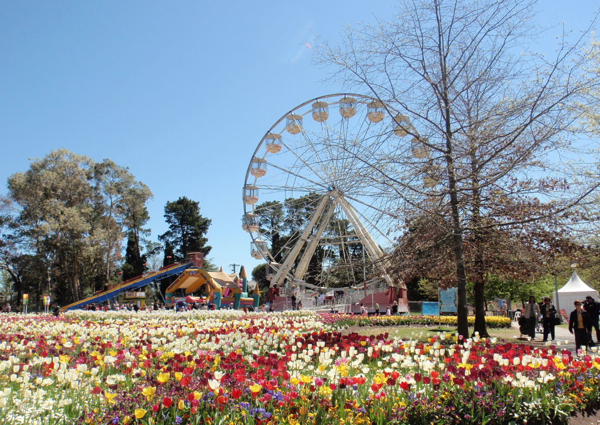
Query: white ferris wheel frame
<point x="322" y="215"/>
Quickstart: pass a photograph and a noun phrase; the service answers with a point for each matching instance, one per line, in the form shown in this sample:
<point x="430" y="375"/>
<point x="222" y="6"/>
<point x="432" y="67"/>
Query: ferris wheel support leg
<point x="312" y="245"/>
<point x="285" y="268"/>
<point x="367" y="240"/>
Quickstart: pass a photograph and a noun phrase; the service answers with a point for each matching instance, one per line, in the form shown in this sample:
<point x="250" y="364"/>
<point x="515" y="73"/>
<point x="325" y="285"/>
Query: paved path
<point x="564" y="339"/>
<point x="563" y="336"/>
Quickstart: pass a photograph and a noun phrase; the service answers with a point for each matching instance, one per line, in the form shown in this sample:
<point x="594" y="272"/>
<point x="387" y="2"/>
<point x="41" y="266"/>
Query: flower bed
<point x="230" y="368"/>
<point x="347" y="320"/>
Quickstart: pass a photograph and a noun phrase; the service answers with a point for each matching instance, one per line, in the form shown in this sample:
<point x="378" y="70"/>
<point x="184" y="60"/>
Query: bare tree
<point x="486" y="124"/>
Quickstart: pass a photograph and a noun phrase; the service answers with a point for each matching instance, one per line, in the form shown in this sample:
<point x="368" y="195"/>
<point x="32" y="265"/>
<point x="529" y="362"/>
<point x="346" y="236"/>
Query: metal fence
<point x="342" y="302"/>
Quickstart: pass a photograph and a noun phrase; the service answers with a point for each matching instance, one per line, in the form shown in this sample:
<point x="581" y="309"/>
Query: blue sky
<point x="180" y="92"/>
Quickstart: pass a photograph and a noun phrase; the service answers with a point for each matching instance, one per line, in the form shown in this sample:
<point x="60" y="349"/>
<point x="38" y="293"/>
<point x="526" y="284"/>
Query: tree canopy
<point x="187" y="229"/>
<point x="67" y="224"/>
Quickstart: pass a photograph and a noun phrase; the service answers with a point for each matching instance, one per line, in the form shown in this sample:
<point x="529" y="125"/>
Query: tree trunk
<point x="480" y="325"/>
<point x="479" y="263"/>
<point x="461" y="275"/>
<point x="75" y="288"/>
<point x="459" y="256"/>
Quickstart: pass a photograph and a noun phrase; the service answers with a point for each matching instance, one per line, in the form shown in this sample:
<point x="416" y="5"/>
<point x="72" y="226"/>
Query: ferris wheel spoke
<point x="301" y="160"/>
<point x="309" y="143"/>
<point x="374" y="227"/>
<point x="290" y="172"/>
<point x="276" y="189"/>
<point x="387" y="213"/>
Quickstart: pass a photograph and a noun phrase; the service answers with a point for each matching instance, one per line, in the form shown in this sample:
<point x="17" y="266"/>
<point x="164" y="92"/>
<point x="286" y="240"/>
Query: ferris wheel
<point x="318" y="202"/>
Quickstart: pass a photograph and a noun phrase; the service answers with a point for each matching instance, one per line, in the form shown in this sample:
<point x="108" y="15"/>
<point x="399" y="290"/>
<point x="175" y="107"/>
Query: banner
<point x="25" y="299"/>
<point x="448" y="300"/>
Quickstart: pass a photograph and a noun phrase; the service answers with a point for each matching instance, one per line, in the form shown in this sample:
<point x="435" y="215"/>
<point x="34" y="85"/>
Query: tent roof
<point x="575" y="284"/>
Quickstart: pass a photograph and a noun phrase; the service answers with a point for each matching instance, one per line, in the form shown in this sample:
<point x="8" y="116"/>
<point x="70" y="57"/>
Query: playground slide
<point x="129" y="285"/>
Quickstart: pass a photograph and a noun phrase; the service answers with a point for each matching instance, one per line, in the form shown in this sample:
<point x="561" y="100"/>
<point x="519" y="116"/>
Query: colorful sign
<point x="46" y="300"/>
<point x="448" y="300"/>
<point x="25" y="299"/>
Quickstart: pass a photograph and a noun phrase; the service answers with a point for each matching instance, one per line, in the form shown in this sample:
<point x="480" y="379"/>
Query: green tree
<point x="135" y="262"/>
<point x="121" y="202"/>
<point x="259" y="274"/>
<point x="187" y="228"/>
<point x="271" y="226"/>
<point x="71" y="216"/>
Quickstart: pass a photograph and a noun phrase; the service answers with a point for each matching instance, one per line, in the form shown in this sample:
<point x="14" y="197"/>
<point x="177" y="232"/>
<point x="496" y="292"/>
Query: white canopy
<point x="574" y="289"/>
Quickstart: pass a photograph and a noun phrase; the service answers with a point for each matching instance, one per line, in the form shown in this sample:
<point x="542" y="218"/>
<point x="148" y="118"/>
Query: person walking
<point x="580" y="325"/>
<point x="592" y="307"/>
<point x="531" y="314"/>
<point x="548" y="318"/>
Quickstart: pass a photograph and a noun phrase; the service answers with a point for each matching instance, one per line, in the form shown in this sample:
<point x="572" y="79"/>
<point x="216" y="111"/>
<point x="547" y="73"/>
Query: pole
<point x="439" y="306"/>
<point x="556" y="292"/>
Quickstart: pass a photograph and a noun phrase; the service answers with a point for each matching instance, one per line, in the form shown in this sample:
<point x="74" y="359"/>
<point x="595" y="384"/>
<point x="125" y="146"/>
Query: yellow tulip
<point x="149" y="392"/>
<point x="163" y="377"/>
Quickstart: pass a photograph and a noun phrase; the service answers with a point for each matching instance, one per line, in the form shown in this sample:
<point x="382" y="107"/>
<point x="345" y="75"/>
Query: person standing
<point x="592" y="307"/>
<point x="294" y="301"/>
<point x="579" y="324"/>
<point x="531" y="314"/>
<point x="548" y="318"/>
<point x="503" y="309"/>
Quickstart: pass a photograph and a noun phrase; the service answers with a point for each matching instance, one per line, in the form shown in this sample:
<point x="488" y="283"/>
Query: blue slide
<point x="129" y="285"/>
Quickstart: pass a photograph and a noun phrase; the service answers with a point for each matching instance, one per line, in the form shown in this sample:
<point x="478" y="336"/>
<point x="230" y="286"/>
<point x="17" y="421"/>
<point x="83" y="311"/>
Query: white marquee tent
<point x="574" y="289"/>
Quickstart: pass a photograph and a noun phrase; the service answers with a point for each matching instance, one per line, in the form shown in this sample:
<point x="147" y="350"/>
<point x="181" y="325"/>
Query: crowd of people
<point x="158" y="306"/>
<point x="583" y="320"/>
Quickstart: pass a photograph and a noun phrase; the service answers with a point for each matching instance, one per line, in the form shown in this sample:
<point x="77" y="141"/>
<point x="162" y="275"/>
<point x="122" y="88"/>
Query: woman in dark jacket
<point x="549" y="316"/>
<point x="579" y="322"/>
